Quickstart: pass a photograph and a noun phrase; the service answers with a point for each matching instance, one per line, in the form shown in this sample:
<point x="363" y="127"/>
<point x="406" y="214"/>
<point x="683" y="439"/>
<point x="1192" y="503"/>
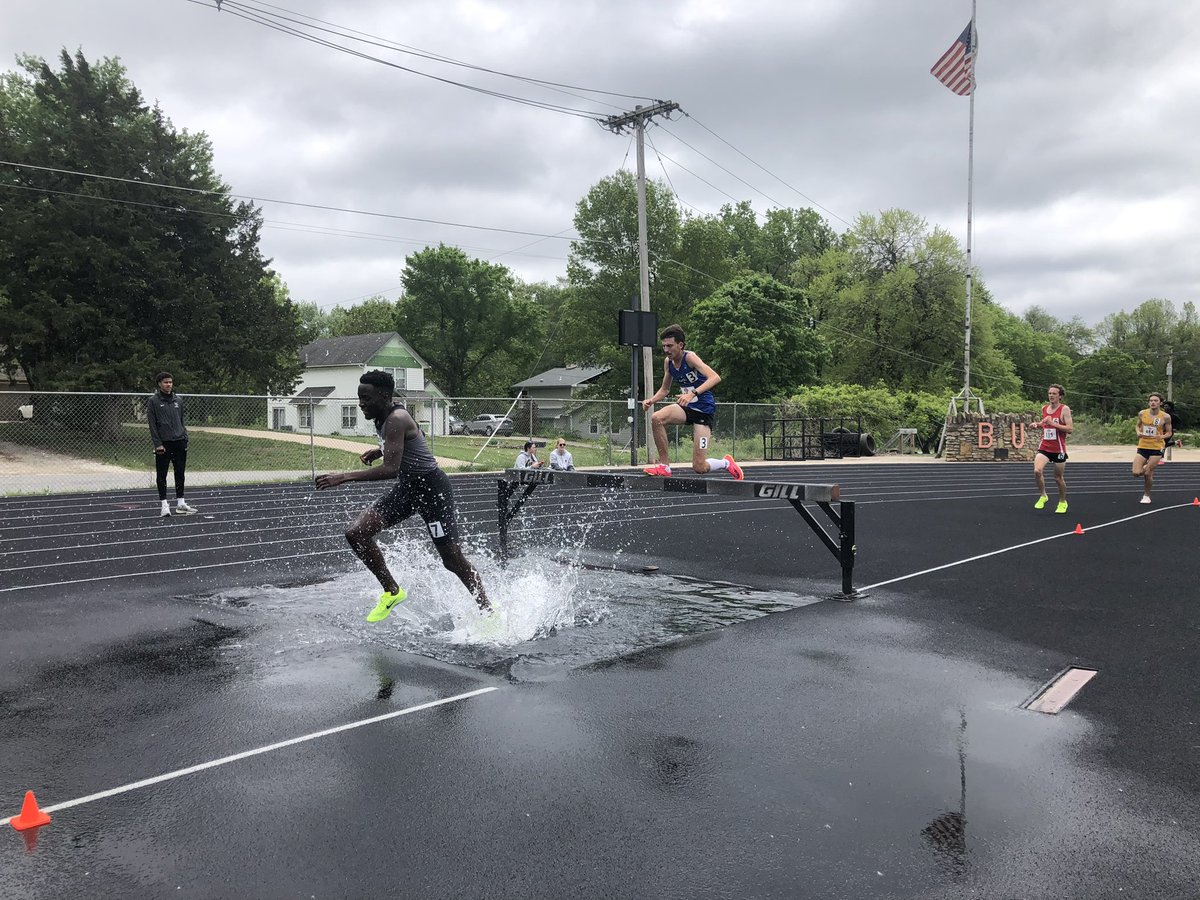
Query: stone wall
<point x="1004" y="437"/>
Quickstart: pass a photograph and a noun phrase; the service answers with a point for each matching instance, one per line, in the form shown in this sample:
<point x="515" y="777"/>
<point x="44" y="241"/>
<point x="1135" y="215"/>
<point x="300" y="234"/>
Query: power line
<point x="253" y="16"/>
<point x="376" y="40"/>
<point x="769" y="172"/>
<point x="663" y="156"/>
<point x="256" y="199"/>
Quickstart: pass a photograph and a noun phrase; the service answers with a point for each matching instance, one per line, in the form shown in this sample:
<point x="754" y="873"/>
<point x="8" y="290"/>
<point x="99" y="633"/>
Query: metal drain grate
<point x="1060" y="690"/>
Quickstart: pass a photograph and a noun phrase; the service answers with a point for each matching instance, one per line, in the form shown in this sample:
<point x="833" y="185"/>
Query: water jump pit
<point x="556" y="615"/>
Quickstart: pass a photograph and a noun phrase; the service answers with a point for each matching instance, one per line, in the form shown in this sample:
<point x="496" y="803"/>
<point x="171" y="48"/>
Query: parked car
<point x="489" y="424"/>
<point x="457" y="426"/>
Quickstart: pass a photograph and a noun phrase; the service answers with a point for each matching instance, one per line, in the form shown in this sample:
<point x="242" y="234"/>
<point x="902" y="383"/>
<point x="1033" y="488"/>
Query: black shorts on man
<point x="1053" y="457"/>
<point x="1146" y="454"/>
<point x="698" y="418"/>
<point x="428" y="494"/>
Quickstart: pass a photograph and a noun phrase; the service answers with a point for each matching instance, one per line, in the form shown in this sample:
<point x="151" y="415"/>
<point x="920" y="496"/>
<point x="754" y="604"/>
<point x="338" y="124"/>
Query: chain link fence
<point x="60" y="442"/>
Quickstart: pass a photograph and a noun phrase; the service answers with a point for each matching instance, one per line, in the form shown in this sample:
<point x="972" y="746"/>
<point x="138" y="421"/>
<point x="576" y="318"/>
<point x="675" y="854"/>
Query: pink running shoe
<point x="663" y="471"/>
<point x="734" y="469"/>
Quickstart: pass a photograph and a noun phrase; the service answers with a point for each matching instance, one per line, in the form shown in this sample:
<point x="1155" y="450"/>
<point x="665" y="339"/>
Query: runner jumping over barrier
<point x="695" y="405"/>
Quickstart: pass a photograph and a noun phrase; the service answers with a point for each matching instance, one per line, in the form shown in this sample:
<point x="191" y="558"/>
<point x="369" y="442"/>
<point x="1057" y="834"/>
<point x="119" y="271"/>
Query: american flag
<point x="956" y="68"/>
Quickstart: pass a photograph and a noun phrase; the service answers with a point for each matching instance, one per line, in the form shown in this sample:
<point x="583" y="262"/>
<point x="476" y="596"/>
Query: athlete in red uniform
<point x="1056" y="425"/>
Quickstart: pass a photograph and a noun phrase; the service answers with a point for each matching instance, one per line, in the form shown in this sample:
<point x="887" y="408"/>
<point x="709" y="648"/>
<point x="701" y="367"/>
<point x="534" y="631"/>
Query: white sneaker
<point x="166" y="510"/>
<point x="1145" y="499"/>
<point x="181" y="507"/>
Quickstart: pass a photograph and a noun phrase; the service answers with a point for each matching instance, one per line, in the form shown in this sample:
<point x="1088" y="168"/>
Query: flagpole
<point x="970" y="204"/>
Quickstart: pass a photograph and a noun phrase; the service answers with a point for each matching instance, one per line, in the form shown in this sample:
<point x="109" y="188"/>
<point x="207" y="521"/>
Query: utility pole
<point x="619" y="125"/>
<point x="1170" y="373"/>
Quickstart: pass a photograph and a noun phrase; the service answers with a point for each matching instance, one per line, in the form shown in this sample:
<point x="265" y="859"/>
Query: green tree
<point x="1077" y="338"/>
<point x="1037" y="357"/>
<point x="790" y="235"/>
<point x="374" y="315"/>
<point x="758" y="335"/>
<point x="1110" y="382"/>
<point x="469" y="320"/>
<point x="893" y="302"/>
<point x="603" y="268"/>
<point x="109" y="281"/>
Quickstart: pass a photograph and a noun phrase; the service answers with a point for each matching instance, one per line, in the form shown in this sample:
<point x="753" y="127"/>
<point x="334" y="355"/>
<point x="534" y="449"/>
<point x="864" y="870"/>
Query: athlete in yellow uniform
<point x="1153" y="428"/>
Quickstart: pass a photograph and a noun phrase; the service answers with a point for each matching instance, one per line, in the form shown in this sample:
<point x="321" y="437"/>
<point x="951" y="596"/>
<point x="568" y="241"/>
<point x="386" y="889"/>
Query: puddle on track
<point x="554" y="617"/>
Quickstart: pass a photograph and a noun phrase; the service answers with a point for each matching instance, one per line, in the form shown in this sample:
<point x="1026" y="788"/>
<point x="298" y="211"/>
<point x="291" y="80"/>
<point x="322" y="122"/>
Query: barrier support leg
<point x="507" y="512"/>
<point x="843" y="549"/>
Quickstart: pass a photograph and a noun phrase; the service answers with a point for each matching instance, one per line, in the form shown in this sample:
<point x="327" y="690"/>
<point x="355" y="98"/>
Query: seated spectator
<point x="526" y="459"/>
<point x="560" y="457"/>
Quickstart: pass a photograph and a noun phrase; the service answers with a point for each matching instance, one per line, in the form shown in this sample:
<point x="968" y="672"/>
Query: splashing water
<point x="552" y="616"/>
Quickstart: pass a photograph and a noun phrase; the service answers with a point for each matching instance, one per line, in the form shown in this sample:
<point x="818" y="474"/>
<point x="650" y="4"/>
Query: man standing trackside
<point x="695" y="406"/>
<point x="1153" y="429"/>
<point x="1056" y="424"/>
<point x="164" y="413"/>
<point x="418" y="486"/>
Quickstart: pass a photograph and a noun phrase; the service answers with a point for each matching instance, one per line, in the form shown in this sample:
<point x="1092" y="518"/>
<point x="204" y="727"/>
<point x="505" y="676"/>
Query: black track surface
<point x="867" y="749"/>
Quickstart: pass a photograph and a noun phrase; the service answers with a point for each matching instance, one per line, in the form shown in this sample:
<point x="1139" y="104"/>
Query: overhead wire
<point x="252" y="16"/>
<point x="251" y="198"/>
<point x="768" y="171"/>
<point x="378" y="41"/>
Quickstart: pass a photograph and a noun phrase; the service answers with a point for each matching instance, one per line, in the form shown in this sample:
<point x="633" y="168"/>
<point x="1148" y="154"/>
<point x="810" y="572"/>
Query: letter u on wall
<point x="1015" y="429"/>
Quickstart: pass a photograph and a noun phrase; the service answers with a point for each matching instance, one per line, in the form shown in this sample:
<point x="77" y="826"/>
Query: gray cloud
<point x="1084" y="125"/>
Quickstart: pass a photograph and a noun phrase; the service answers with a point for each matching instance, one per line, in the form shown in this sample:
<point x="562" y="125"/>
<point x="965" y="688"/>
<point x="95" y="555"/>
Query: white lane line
<point x="1053" y="537"/>
<point x="224" y="760"/>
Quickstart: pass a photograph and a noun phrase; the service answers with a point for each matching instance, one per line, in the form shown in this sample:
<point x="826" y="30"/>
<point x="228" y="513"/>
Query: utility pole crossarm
<point x="639" y="116"/>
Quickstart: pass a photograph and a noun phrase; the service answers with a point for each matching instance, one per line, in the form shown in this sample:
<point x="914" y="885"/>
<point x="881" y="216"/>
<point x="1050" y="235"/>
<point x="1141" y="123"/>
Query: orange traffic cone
<point x="1079" y="528"/>
<point x="1196" y="501"/>
<point x="31" y="816"/>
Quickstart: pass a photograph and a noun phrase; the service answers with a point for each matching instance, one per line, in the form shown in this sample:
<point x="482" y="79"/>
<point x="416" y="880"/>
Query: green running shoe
<point x="1062" y="506"/>
<point x="1041" y="502"/>
<point x="386" y="604"/>
<point x="488" y="623"/>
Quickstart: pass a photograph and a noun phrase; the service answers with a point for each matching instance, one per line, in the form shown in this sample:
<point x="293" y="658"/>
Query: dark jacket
<point x="164" y="413"/>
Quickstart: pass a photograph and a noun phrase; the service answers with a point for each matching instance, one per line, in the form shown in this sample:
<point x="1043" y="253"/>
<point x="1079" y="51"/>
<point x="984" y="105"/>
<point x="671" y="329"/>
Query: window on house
<point x="593" y="427"/>
<point x="305" y="416"/>
<point x="278" y="418"/>
<point x="349" y="417"/>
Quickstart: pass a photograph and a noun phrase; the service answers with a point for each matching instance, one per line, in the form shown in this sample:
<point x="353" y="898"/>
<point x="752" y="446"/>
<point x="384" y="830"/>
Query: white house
<point x="326" y="400"/>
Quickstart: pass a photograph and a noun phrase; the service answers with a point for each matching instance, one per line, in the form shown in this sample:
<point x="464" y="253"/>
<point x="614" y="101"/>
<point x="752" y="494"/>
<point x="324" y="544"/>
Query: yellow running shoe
<point x="1062" y="506"/>
<point x="386" y="604"/>
<point x="1042" y="500"/>
<point x="488" y="625"/>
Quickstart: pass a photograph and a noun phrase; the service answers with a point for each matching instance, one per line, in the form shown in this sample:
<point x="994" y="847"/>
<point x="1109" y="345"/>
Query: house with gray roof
<point x="559" y="409"/>
<point x="326" y="399"/>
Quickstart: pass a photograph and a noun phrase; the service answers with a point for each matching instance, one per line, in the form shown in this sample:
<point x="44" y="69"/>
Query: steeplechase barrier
<point x="840" y="542"/>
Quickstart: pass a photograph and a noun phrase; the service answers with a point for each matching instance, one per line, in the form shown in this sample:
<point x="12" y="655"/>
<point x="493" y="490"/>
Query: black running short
<point x="1146" y="454"/>
<point x="428" y="494"/>
<point x="1053" y="457"/>
<point x="695" y="417"/>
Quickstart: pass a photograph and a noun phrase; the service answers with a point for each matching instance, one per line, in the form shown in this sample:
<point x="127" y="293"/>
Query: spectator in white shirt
<point x="560" y="457"/>
<point x="526" y="458"/>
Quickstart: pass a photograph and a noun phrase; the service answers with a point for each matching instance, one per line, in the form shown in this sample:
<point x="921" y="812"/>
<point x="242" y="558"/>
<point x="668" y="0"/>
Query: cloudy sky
<point x="1087" y="199"/>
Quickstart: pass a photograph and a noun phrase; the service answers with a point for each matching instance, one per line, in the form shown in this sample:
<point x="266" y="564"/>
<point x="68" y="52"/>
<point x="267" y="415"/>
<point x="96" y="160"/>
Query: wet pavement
<point x="636" y="749"/>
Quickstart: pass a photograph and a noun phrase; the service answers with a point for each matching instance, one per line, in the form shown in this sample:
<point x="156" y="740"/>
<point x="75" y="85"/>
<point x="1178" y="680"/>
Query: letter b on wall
<point x="983" y="439"/>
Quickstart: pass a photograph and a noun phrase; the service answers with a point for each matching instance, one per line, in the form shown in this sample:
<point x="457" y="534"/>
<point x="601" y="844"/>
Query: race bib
<point x="1049" y="434"/>
<point x="1149" y="431"/>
